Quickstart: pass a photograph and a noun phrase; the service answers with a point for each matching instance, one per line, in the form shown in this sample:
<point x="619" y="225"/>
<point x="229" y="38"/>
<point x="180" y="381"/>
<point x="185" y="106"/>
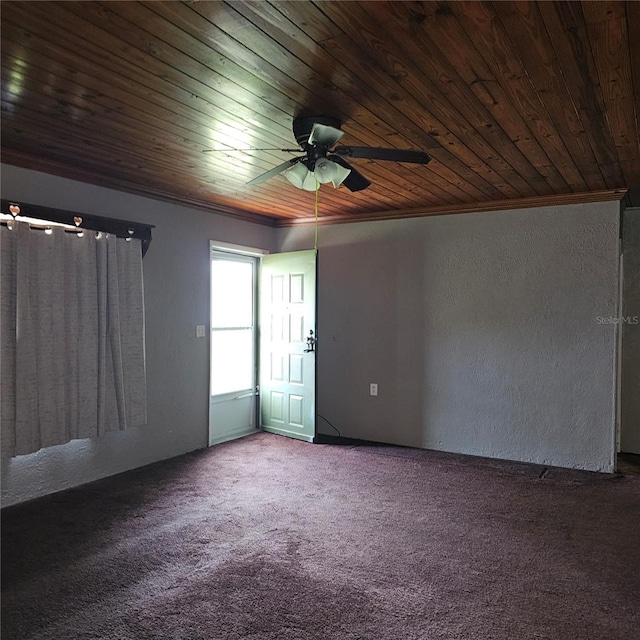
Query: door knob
<point x="311" y="342"/>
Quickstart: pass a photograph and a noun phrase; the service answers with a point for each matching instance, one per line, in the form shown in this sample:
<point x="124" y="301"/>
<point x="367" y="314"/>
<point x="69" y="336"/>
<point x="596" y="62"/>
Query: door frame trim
<point x="248" y="252"/>
<point x="214" y="245"/>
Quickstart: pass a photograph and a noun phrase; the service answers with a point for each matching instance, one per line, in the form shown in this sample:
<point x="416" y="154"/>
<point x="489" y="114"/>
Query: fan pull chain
<point x="316" y="207"/>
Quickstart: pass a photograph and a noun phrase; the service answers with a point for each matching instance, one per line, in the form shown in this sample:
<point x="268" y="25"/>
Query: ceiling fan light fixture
<point x="296" y="174"/>
<point x="325" y="170"/>
<point x="310" y="183"/>
<point x="299" y="176"/>
<point x="328" y="171"/>
<point x="341" y="174"/>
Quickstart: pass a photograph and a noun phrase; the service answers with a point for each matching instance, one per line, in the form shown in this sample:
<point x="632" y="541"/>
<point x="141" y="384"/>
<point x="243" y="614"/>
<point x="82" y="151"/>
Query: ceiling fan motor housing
<point x="302" y="127"/>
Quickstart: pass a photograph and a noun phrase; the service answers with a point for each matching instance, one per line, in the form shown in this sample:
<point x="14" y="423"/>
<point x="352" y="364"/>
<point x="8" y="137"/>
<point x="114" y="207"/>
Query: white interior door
<point x="233" y="408"/>
<point x="287" y="361"/>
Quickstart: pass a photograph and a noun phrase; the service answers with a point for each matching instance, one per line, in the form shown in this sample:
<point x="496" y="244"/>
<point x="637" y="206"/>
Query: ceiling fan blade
<point x="324" y="136"/>
<point x="251" y="149"/>
<point x="379" y="153"/>
<point x="275" y="171"/>
<point x="355" y="181"/>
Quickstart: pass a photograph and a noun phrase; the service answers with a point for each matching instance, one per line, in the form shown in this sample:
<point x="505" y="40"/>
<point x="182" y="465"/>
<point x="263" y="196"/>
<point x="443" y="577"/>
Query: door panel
<point x="287" y="371"/>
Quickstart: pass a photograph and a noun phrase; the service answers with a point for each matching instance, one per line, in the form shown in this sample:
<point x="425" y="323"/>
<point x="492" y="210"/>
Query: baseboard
<point x="323" y="438"/>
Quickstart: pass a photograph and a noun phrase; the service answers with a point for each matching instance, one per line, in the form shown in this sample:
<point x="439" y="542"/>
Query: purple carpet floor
<point x="267" y="538"/>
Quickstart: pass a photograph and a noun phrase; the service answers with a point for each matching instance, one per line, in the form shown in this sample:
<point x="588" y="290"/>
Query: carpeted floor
<point x="268" y="538"/>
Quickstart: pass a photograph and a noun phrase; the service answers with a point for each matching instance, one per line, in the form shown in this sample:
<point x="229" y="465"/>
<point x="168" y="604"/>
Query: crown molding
<point x="472" y="207"/>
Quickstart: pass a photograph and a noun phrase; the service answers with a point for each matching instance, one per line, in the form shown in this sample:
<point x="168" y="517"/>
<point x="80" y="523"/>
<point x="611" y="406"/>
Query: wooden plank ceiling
<point x="517" y="103"/>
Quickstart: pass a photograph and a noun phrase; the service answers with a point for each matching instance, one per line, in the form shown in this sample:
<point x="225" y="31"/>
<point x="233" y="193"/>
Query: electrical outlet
<point x="200" y="331"/>
<point x="373" y="389"/>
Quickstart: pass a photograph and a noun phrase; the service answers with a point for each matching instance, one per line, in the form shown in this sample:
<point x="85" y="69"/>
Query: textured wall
<point x="480" y="330"/>
<point x="176" y="272"/>
<point x="630" y="431"/>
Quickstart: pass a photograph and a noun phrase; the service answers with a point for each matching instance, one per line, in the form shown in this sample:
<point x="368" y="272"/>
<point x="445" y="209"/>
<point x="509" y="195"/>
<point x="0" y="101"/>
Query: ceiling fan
<point x="323" y="162"/>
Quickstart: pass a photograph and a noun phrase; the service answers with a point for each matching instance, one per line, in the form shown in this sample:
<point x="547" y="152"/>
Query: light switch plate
<point x="200" y="333"/>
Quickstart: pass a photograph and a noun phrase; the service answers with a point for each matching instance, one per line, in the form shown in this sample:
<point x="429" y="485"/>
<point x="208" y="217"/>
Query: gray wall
<point x="176" y="272"/>
<point x="480" y="329"/>
<point x="630" y="418"/>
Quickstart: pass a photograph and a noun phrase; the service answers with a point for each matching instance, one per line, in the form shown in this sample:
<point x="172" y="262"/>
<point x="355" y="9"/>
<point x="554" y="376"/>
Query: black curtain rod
<point x="119" y="228"/>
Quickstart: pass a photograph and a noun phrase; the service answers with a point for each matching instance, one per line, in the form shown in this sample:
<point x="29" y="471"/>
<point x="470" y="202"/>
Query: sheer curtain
<point x="71" y="337"/>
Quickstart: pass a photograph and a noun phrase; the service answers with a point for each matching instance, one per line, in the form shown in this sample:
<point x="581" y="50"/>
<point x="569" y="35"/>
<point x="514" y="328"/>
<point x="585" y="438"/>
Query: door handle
<point x="311" y="342"/>
<point x="246" y="395"/>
